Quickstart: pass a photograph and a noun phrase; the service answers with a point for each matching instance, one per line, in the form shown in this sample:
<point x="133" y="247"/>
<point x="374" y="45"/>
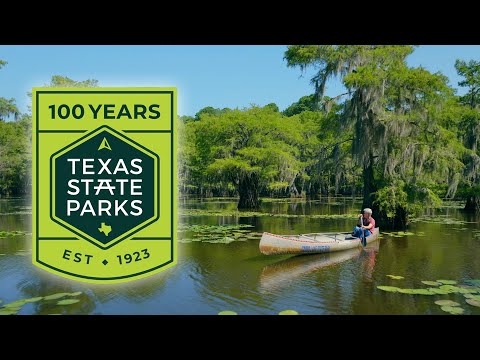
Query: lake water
<point x="211" y="277"/>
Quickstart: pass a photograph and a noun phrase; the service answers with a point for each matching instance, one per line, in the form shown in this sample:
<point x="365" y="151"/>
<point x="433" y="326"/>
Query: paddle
<point x="364" y="239"/>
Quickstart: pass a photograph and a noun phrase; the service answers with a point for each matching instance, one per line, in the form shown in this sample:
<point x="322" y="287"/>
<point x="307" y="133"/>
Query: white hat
<point x="367" y="211"/>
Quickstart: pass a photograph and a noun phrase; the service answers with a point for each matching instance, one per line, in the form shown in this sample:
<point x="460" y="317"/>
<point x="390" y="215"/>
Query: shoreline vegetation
<point x="399" y="137"/>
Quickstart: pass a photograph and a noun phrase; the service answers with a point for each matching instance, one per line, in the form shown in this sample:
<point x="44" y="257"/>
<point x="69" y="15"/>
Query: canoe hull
<point x="272" y="244"/>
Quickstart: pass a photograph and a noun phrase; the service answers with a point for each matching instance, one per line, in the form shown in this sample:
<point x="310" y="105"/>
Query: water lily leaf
<point x="422" y="292"/>
<point x="227" y="312"/>
<point x="8" y="312"/>
<point x="471" y="296"/>
<point x="455" y="310"/>
<point x="75" y="293"/>
<point x="446" y="303"/>
<point x="439" y="291"/>
<point x="68" y="302"/>
<point x="407" y="291"/>
<point x="55" y="296"/>
<point x="34" y="299"/>
<point x="451" y="289"/>
<point x="447" y="282"/>
<point x="473" y="302"/>
<point x="388" y="288"/>
<point x="15" y="304"/>
<point x="431" y="283"/>
<point x="395" y="277"/>
<point x="288" y="312"/>
<point x="405" y="233"/>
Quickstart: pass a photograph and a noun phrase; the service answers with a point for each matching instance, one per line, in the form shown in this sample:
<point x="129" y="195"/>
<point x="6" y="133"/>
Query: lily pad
<point x="227" y="312"/>
<point x="55" y="296"/>
<point x="446" y="303"/>
<point x="447" y="282"/>
<point x="451" y="289"/>
<point x="395" y="277"/>
<point x="407" y="291"/>
<point x="8" y="312"/>
<point x="76" y="293"/>
<point x="68" y="302"/>
<point x="439" y="291"/>
<point x="388" y="288"/>
<point x="472" y="296"/>
<point x="454" y="310"/>
<point x="422" y="292"/>
<point x="288" y="312"/>
<point x="431" y="283"/>
<point x="473" y="302"/>
<point x="15" y="304"/>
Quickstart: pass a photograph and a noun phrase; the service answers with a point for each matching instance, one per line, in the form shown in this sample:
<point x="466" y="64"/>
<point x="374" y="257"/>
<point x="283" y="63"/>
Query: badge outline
<point x="173" y="184"/>
<point x="79" y="232"/>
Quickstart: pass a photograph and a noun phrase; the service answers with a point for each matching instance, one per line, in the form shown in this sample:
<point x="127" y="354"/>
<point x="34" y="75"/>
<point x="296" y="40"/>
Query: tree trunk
<point x="248" y="191"/>
<point x="399" y="221"/>
<point x="473" y="204"/>
<point x="369" y="186"/>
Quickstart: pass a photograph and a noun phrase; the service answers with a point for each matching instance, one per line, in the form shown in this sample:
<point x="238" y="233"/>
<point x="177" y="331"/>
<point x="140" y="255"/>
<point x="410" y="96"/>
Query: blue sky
<point x="218" y="76"/>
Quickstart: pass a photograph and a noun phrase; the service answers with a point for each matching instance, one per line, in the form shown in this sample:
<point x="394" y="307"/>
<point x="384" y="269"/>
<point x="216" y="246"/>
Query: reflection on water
<point x="284" y="272"/>
<point x="214" y="277"/>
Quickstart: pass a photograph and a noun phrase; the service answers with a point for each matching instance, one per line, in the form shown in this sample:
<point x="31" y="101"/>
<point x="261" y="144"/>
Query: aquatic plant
<point x="288" y="312"/>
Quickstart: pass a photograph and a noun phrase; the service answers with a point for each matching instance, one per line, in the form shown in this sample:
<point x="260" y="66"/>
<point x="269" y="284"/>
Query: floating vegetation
<point x="439" y="291"/>
<point x="237" y="213"/>
<point x="4" y="234"/>
<point x="14" y="307"/>
<point x="447" y="282"/>
<point x="7" y="311"/>
<point x="473" y="302"/>
<point x="470" y="291"/>
<point x="431" y="283"/>
<point x="422" y="292"/>
<point x="454" y="310"/>
<point x="396" y="277"/>
<point x="439" y="219"/>
<point x="56" y="296"/>
<point x="415" y="291"/>
<point x="446" y="303"/>
<point x="227" y="312"/>
<point x="388" y="288"/>
<point x="288" y="312"/>
<point x="218" y="234"/>
<point x="68" y="302"/>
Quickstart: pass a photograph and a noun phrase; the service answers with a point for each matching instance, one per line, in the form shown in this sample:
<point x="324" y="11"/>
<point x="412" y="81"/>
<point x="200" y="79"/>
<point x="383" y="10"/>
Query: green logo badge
<point x="104" y="182"/>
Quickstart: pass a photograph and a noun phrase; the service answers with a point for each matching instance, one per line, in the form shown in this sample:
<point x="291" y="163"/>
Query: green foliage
<point x="256" y="148"/>
<point x="15" y="161"/>
<point x="403" y="122"/>
<point x="305" y="103"/>
<point x="272" y="107"/>
<point x="470" y="71"/>
<point x="8" y="108"/>
<point x="209" y="111"/>
<point x="64" y="81"/>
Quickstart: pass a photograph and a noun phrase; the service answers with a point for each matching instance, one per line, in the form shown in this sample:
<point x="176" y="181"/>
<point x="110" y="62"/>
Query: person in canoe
<point x="365" y="223"/>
